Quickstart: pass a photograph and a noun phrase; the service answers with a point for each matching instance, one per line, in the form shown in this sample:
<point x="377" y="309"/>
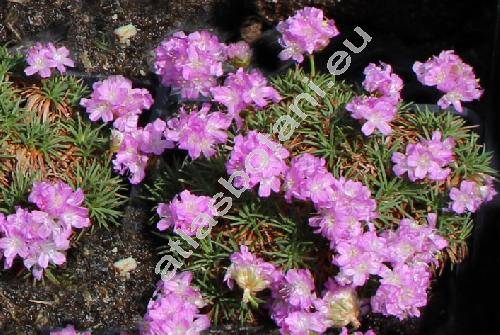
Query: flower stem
<point x="313" y="67"/>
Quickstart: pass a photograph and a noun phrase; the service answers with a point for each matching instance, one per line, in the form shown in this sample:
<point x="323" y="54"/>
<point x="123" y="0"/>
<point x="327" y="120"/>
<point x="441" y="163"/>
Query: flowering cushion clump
<point x="343" y="213"/>
<point x="41" y="237"/>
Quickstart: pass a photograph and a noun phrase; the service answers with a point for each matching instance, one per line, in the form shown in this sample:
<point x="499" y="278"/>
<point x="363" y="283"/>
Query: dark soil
<point x="90" y="293"/>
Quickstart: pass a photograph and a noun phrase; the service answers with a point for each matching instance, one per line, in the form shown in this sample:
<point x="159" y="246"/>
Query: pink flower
<point x="470" y="196"/>
<point x="451" y="76"/>
<point x="261" y="159"/>
<point x="308" y="179"/>
<point x="343" y="215"/>
<point x="381" y="80"/>
<point x="239" y="53"/>
<point x="359" y="258"/>
<point x="304" y="33"/>
<point x="43" y="57"/>
<point x="339" y="305"/>
<point x="403" y="290"/>
<point x="130" y="158"/>
<point x="414" y="243"/>
<point x="377" y="112"/>
<point x="298" y="288"/>
<point x="243" y="89"/>
<point x="187" y="213"/>
<point x="41" y="237"/>
<point x="198" y="132"/>
<point x="191" y="63"/>
<point x="153" y="141"/>
<point x="68" y="330"/>
<point x="305" y="323"/>
<point x="60" y="57"/>
<point x="427" y="159"/>
<point x="115" y="99"/>
<point x="174" y="309"/>
<point x="39" y="61"/>
<point x="251" y="273"/>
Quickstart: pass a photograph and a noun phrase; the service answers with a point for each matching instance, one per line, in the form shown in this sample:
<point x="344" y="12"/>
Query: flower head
<point x="377" y="113"/>
<point x="381" y="80"/>
<point x="251" y="273"/>
<point x="239" y="53"/>
<point x="261" y="159"/>
<point x="115" y="99"/>
<point x="174" y="309"/>
<point x="339" y="305"/>
<point x="243" y="89"/>
<point x="428" y="158"/>
<point x="191" y="63"/>
<point x="450" y="75"/>
<point x="42" y="58"/>
<point x="470" y="196"/>
<point x="304" y="33"/>
<point x="68" y="330"/>
<point x="198" y="132"/>
<point x="187" y="213"/>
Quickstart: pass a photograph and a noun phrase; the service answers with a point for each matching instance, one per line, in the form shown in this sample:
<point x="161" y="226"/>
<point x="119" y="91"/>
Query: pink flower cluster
<point x="41" y="237"/>
<point x="428" y="158"/>
<point x="304" y="33"/>
<point x="115" y="99"/>
<point x="44" y="57"/>
<point x="175" y="308"/>
<point x="243" y="89"/>
<point x="191" y="62"/>
<point x="239" y="53"/>
<point x="379" y="109"/>
<point x="470" y="196"/>
<point x="136" y="146"/>
<point x="400" y="258"/>
<point x="344" y="215"/>
<point x="292" y="307"/>
<point x="198" y="131"/>
<point x="261" y="159"/>
<point x="450" y="75"/>
<point x="187" y="213"/>
<point x="251" y="273"/>
<point x="69" y="330"/>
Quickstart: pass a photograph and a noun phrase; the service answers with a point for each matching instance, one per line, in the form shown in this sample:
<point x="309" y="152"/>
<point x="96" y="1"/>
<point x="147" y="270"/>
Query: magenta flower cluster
<point x="42" y="58"/>
<point x="187" y="213"/>
<point x="471" y="195"/>
<point x="239" y="53"/>
<point x="191" y="62"/>
<point x="175" y="308"/>
<point x="198" y="132"/>
<point x="304" y="33"/>
<point x="251" y="273"/>
<point x="69" y="330"/>
<point x="243" y="89"/>
<point x="380" y="108"/>
<point x="41" y="237"/>
<point x="136" y="146"/>
<point x="261" y="159"/>
<point x="115" y="99"/>
<point x="450" y="75"/>
<point x="426" y="159"/>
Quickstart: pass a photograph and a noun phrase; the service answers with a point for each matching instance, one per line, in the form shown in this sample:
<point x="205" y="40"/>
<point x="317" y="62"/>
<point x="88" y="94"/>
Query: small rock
<point x="114" y="250"/>
<point x="125" y="266"/>
<point x="125" y="33"/>
<point x="115" y="16"/>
